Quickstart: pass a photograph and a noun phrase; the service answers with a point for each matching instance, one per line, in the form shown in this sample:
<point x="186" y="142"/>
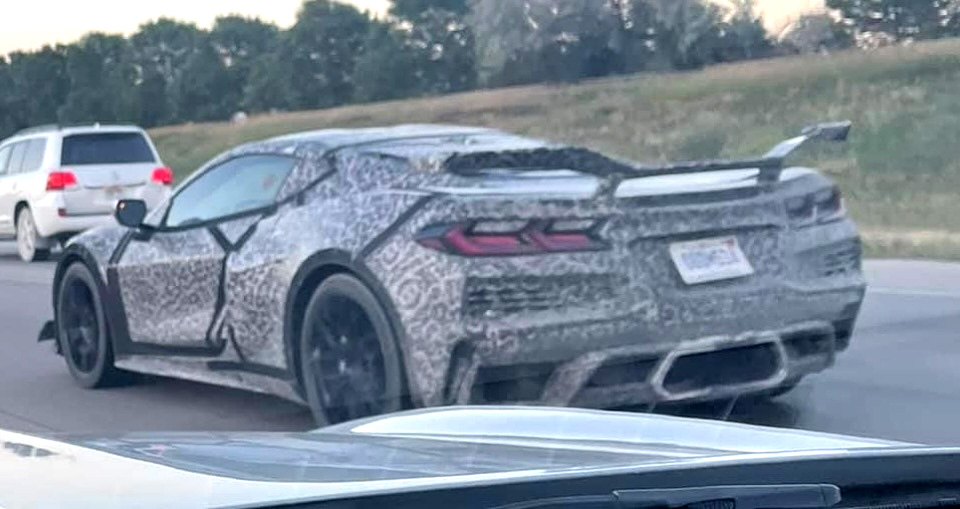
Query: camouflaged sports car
<point x="363" y="271"/>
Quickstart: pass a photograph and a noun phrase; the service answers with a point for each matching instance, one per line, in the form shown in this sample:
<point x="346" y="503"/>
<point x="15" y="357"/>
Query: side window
<point x="33" y="157"/>
<point x="239" y="185"/>
<point x="5" y="159"/>
<point x="16" y="158"/>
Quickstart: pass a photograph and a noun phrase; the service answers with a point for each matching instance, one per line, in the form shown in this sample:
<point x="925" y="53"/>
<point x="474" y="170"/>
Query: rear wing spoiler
<point x="614" y="171"/>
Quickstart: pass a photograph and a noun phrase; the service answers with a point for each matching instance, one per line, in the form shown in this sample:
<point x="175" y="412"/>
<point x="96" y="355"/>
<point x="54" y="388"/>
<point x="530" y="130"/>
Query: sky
<point x="33" y="23"/>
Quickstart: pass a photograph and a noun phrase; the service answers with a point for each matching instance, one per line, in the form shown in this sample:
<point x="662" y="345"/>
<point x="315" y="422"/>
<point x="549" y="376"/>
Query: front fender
<point x="94" y="249"/>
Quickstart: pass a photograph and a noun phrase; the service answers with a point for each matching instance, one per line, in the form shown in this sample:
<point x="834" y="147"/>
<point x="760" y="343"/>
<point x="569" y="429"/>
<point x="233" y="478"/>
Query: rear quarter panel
<point x="344" y="213"/>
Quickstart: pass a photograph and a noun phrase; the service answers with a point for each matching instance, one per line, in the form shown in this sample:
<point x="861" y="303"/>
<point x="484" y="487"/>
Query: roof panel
<point x="333" y="139"/>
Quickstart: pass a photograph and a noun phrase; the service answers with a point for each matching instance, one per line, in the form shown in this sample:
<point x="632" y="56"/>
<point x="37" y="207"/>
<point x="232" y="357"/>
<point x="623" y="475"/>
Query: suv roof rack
<point x="38" y="129"/>
<point x="59" y="127"/>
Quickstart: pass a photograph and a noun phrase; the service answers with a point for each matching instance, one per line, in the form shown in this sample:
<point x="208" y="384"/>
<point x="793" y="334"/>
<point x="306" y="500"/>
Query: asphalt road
<point x="899" y="380"/>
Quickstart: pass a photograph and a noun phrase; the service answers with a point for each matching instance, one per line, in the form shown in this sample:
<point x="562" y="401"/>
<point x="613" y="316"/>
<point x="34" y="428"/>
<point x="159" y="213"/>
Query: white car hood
<point x="447" y="447"/>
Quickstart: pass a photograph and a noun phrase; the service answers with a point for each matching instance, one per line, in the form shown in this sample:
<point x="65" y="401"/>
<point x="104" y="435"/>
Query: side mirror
<point x="830" y="131"/>
<point x="131" y="213"/>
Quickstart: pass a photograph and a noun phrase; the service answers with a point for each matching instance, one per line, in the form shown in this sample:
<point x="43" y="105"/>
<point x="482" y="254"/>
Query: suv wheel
<point x="28" y="240"/>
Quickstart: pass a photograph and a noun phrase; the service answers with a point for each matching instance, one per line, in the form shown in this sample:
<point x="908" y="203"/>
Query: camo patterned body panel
<point x="229" y="282"/>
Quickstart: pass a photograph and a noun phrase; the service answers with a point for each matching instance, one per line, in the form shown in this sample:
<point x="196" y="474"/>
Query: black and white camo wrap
<point x="227" y="284"/>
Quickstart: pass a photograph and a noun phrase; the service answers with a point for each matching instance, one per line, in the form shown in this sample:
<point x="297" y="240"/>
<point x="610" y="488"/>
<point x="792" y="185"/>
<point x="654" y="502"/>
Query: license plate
<point x="708" y="260"/>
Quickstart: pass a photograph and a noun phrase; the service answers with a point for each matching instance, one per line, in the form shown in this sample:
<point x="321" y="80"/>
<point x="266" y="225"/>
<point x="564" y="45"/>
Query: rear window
<point x="106" y="148"/>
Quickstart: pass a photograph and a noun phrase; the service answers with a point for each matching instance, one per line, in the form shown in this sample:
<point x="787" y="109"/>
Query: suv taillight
<point x="60" y="180"/>
<point x="162" y="176"/>
<point x="510" y="238"/>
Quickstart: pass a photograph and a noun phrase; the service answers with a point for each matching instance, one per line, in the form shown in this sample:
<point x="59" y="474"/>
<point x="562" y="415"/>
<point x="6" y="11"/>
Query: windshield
<point x="333" y="211"/>
<point x="108" y="148"/>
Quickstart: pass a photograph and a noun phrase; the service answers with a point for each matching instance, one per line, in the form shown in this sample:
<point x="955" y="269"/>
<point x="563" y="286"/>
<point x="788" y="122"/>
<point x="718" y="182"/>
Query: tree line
<point x="171" y="72"/>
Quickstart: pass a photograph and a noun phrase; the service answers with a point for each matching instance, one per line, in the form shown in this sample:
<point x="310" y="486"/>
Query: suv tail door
<point x="109" y="166"/>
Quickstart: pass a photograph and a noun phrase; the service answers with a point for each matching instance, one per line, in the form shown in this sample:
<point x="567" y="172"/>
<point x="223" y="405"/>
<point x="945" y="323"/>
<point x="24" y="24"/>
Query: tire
<point x="28" y="239"/>
<point x="82" y="331"/>
<point x="349" y="361"/>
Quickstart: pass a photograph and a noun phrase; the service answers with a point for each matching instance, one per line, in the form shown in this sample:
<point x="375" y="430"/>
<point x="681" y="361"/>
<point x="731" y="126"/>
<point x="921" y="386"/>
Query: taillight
<point x="162" y="176"/>
<point x="510" y="238"/>
<point x="820" y="207"/>
<point x="60" y="180"/>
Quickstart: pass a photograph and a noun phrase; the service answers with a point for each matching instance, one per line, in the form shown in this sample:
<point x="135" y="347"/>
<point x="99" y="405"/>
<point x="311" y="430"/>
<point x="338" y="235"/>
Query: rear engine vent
<point x="723" y="367"/>
<point x="840" y="260"/>
<point x="623" y="372"/>
<point x="495" y="296"/>
<point x="512" y="384"/>
<point x="809" y="343"/>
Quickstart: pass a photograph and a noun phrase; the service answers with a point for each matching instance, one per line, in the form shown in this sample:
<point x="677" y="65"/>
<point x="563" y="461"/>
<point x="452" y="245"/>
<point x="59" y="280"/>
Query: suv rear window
<point x="106" y="148"/>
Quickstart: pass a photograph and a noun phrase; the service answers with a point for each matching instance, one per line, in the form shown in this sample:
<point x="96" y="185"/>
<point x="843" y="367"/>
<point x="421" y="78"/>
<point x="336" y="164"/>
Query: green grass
<point x="900" y="172"/>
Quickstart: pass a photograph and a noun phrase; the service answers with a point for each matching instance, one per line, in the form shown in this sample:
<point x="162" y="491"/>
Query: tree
<point x="203" y="87"/>
<point x="161" y="50"/>
<point x="635" y="39"/>
<point x="561" y="40"/>
<point x="268" y="86"/>
<point x="384" y="71"/>
<point x="240" y="43"/>
<point x="102" y="78"/>
<point x="11" y="118"/>
<point x="410" y="9"/>
<point x="877" y="22"/>
<point x="742" y="35"/>
<point x="39" y="84"/>
<point x="444" y="52"/>
<point x="323" y="48"/>
<point x="816" y="33"/>
<point x="542" y="40"/>
<point x="430" y="54"/>
<point x="688" y="32"/>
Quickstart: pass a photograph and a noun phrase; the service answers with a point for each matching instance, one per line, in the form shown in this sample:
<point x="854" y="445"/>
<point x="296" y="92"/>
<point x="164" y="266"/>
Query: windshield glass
<point x="297" y="215"/>
<point x="107" y="148"/>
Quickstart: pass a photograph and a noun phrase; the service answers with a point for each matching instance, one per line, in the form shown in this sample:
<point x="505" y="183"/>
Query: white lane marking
<point x="909" y="292"/>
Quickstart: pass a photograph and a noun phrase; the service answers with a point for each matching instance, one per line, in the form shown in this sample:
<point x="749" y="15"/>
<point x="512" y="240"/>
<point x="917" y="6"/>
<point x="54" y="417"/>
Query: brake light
<point x="162" y="176"/>
<point x="823" y="206"/>
<point x="510" y="238"/>
<point x="60" y="180"/>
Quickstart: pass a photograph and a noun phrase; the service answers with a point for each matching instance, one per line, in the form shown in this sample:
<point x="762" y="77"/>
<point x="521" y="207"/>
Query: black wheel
<point x="348" y="354"/>
<point x="82" y="331"/>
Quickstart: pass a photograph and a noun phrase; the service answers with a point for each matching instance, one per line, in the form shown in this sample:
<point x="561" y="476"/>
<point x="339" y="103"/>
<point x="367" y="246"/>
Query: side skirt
<point x="254" y="378"/>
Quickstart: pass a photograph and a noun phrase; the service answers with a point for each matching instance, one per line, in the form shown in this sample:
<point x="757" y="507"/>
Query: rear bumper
<point x="702" y="369"/>
<point x="51" y="224"/>
<point x="620" y="363"/>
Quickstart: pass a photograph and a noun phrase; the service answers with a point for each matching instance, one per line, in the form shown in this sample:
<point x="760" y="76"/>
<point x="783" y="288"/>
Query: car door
<point x="170" y="281"/>
<point x="6" y="188"/>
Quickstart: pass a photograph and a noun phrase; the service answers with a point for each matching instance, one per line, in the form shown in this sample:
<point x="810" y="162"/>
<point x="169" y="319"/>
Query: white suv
<point x="56" y="182"/>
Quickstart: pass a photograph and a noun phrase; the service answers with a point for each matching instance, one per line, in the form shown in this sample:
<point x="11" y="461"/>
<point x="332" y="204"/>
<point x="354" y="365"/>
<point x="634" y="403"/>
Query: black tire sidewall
<point x="104" y="362"/>
<point x="354" y="289"/>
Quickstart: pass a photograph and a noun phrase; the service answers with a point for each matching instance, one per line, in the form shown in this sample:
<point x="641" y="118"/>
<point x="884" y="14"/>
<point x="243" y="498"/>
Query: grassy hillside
<point x="900" y="173"/>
